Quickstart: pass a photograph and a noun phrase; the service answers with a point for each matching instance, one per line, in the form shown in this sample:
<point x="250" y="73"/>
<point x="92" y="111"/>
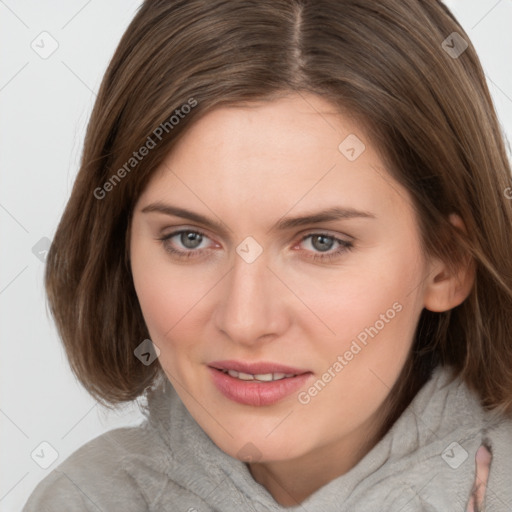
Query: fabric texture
<point x="426" y="463"/>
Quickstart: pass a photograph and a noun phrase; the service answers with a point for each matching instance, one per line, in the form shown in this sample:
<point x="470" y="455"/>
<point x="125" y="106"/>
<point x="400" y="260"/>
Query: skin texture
<point x="248" y="167"/>
<point x="483" y="465"/>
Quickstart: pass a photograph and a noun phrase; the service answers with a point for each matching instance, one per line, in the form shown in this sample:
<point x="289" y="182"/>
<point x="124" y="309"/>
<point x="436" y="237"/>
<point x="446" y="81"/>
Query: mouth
<point x="257" y="369"/>
<point x="256" y="384"/>
<point x="260" y="377"/>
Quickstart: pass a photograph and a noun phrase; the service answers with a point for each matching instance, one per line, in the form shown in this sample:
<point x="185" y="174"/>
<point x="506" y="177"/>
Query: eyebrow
<point x="326" y="215"/>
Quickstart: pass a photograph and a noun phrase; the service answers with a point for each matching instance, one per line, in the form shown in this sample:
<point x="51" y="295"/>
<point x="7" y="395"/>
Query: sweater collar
<point x="438" y="412"/>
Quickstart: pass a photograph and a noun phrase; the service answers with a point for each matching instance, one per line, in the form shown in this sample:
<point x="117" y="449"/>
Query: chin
<point x="259" y="448"/>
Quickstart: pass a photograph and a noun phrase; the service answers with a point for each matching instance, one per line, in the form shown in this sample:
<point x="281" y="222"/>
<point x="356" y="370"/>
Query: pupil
<point x="189" y="240"/>
<point x="323" y="245"/>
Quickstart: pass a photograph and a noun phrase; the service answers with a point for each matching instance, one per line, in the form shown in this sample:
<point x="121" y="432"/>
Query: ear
<point x="445" y="290"/>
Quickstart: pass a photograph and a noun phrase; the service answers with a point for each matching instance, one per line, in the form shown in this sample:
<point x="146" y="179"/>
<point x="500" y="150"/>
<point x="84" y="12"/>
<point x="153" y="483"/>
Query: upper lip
<point x="260" y="368"/>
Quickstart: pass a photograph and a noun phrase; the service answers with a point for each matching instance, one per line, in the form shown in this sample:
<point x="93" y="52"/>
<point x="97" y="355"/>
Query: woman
<point x="291" y="233"/>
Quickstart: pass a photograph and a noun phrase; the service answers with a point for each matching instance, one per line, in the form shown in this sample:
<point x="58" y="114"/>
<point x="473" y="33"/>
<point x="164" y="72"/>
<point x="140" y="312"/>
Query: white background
<point x="44" y="108"/>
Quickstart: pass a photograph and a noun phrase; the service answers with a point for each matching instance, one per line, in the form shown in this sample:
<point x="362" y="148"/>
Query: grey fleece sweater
<point x="168" y="463"/>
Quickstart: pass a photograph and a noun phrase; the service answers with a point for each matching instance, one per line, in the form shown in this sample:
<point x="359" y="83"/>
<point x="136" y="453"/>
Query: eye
<point x="189" y="240"/>
<point x="187" y="243"/>
<point x="323" y="242"/>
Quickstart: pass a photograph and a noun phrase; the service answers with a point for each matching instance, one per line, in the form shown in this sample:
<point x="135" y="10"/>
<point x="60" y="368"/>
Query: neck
<point x="290" y="482"/>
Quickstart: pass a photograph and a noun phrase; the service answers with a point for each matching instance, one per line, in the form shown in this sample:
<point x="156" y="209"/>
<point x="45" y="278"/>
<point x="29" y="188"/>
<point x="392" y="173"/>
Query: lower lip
<point x="256" y="393"/>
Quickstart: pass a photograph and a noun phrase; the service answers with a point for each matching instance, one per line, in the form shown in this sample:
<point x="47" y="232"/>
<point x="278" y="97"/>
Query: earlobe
<point x="447" y="289"/>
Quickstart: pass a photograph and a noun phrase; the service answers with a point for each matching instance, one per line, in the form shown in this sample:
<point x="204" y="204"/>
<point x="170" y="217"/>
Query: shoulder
<point x="97" y="476"/>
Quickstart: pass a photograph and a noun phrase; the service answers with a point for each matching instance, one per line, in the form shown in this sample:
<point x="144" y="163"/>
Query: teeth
<point x="262" y="377"/>
<point x="265" y="377"/>
<point x="241" y="376"/>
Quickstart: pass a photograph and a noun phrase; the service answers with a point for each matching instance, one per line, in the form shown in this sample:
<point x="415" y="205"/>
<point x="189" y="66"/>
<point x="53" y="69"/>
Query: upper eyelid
<point x="178" y="231"/>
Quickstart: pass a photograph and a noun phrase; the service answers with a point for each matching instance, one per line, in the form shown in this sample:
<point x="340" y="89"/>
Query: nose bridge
<point x="248" y="308"/>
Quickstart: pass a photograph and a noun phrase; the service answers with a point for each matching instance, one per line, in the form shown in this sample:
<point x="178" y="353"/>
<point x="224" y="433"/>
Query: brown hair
<point x="428" y="111"/>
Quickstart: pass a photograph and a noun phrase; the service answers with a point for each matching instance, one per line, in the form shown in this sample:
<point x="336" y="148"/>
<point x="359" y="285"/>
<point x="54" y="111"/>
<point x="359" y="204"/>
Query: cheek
<point x="385" y="266"/>
<point x="170" y="297"/>
<point x="373" y="315"/>
<point x="160" y="296"/>
<point x="372" y="312"/>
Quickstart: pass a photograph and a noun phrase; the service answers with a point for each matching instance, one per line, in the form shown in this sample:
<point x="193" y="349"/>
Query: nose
<point x="252" y="303"/>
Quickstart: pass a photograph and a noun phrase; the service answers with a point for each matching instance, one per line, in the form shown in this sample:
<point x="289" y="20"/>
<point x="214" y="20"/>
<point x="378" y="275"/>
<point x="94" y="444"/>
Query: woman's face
<point x="243" y="282"/>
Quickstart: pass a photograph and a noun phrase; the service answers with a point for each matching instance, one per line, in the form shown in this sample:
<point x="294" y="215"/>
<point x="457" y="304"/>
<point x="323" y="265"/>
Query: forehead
<point x="288" y="153"/>
<point x="279" y="128"/>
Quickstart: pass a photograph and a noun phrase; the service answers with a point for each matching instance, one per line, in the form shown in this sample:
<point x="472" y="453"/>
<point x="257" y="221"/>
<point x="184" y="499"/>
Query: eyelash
<point x="185" y="255"/>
